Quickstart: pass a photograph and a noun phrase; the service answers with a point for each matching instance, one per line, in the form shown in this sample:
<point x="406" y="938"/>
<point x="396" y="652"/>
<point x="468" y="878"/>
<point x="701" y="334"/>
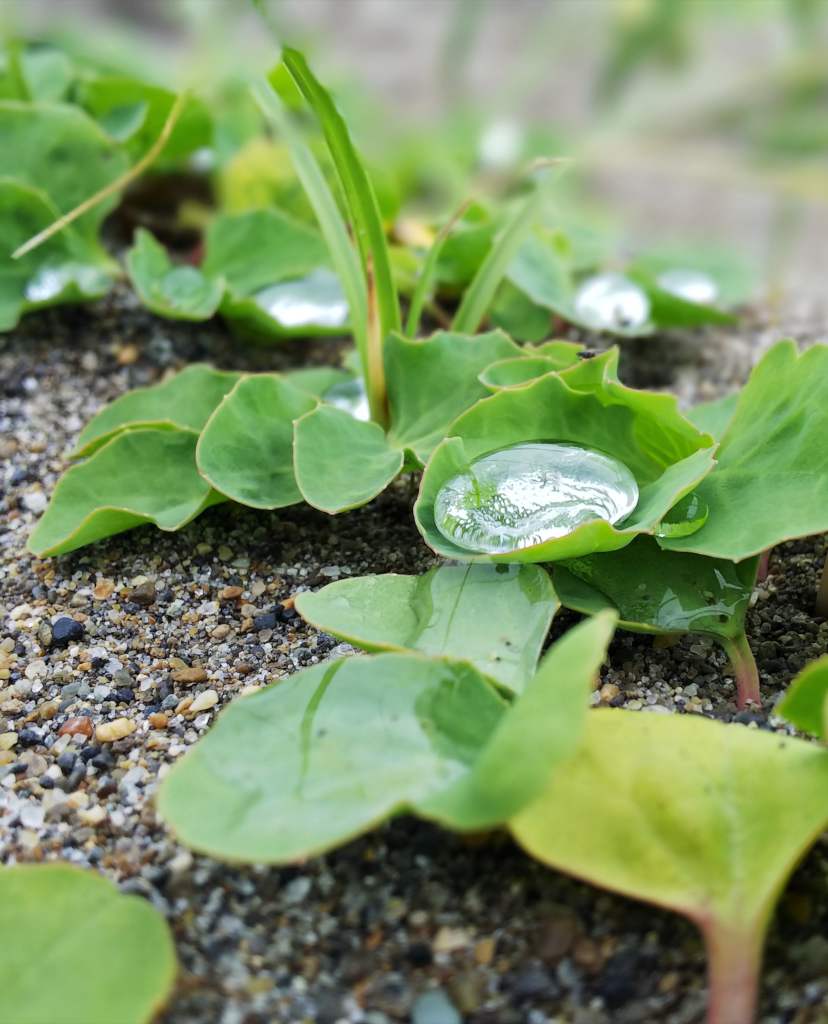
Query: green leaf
<point x="258" y="248"/>
<point x="751" y="803"/>
<point x="317" y="380"/>
<point x="509" y="373"/>
<point x="496" y="617"/>
<point x="356" y="186"/>
<point x="82" y="951"/>
<point x="246" y="447"/>
<point x="431" y="381"/>
<point x="327" y="754"/>
<point x="341" y="462"/>
<point x="584" y="405"/>
<point x="769" y="484"/>
<point x="48" y="73"/>
<point x="805" y="704"/>
<point x="139" y="476"/>
<point x="184" y="401"/>
<point x="45" y="144"/>
<point x="181" y="292"/>
<point x="480" y="293"/>
<point x="539" y="273"/>
<point x="134" y="112"/>
<point x="714" y="417"/>
<point x="671" y="311"/>
<point x="64" y="269"/>
<point x="734" y="279"/>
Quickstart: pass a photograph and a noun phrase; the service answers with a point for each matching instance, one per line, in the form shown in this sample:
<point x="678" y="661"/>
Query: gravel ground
<point x="408" y="923"/>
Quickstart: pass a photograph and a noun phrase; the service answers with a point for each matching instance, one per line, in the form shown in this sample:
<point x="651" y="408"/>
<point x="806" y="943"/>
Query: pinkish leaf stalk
<point x="734" y="962"/>
<point x="763" y="566"/>
<point x="744" y="670"/>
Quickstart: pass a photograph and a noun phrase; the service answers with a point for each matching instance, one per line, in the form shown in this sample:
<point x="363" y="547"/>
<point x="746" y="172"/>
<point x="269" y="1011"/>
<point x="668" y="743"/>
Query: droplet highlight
<point x="316" y="300"/>
<point x="690" y="285"/>
<point x="531" y="493"/>
<point x="685" y="518"/>
<point x="612" y="302"/>
<point x="351" y="397"/>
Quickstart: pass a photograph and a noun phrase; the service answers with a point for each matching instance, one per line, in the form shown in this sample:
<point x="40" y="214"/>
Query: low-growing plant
<point x="81" y="950"/>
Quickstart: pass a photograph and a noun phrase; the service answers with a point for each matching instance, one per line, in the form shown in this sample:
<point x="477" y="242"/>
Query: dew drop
<point x="531" y="493"/>
<point x="612" y="302"/>
<point x="686" y="517"/>
<point x="316" y="300"/>
<point x="690" y="285"/>
<point x="50" y="282"/>
<point x="351" y="397"/>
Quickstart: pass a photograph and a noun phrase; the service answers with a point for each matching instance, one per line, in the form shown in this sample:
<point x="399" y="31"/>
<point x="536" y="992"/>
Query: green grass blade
<point x="426" y="279"/>
<point x="331" y="223"/>
<point x="480" y="293"/>
<point x="356" y="186"/>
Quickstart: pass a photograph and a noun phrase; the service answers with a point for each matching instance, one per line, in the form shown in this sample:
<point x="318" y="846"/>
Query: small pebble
<point x="66" y="631"/>
<point x="108" y="732"/>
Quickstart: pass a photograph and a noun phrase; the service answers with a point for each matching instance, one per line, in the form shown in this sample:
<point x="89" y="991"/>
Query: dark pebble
<point x="66" y="631"/>
<point x="266" y="621"/>
<point x="46" y="782"/>
<point x="144" y="595"/>
<point x="17" y="768"/>
<point x="533" y="983"/>
<point x="88" y="753"/>
<point x="28" y="737"/>
<point x="103" y="760"/>
<point x="66" y="761"/>
<point x="73" y="780"/>
<point x="617" y="982"/>
<point x="419" y="954"/>
<point x="124" y="696"/>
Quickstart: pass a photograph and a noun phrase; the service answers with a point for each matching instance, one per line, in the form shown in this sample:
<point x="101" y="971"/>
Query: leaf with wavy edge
<point x="184" y="401"/>
<point x="319" y="758"/>
<point x="750" y="804"/>
<point x="80" y="949"/>
<point x="805" y="704"/>
<point x="584" y="405"/>
<point x="139" y="476"/>
<point x="770" y="483"/>
<point x="246" y="447"/>
<point x="496" y="617"/>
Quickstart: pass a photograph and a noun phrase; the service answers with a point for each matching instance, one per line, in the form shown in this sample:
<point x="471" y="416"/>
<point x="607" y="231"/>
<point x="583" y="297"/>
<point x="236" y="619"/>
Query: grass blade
<point x="480" y="293"/>
<point x="356" y="186"/>
<point x="427" y="274"/>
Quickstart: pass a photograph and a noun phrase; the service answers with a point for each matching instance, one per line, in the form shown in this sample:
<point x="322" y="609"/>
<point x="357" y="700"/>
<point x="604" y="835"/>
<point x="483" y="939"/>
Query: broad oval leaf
<point x="584" y="405"/>
<point x="750" y="804"/>
<point x="714" y="417"/>
<point x="44" y="144"/>
<point x="318" y="758"/>
<point x="246" y="447"/>
<point x="496" y="617"/>
<point x="184" y="401"/>
<point x="180" y="292"/>
<point x="341" y="462"/>
<point x="81" y="949"/>
<point x="433" y="380"/>
<point x="139" y="476"/>
<point x="769" y="484"/>
<point x="805" y="704"/>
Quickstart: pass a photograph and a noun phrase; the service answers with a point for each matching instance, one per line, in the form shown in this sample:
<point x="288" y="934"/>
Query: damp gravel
<point x="115" y="659"/>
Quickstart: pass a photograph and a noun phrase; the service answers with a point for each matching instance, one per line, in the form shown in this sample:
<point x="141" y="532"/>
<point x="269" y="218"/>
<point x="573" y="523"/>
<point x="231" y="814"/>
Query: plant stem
<point x="744" y="669"/>
<point x="374" y="367"/>
<point x="734" y="961"/>
<point x="822" y="592"/>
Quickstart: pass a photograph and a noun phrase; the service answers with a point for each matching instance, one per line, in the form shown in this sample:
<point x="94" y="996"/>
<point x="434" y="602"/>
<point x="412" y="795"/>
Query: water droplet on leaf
<point x="531" y="493"/>
<point x="350" y="396"/>
<point x="316" y="300"/>
<point x="688" y="516"/>
<point x="690" y="285"/>
<point x="612" y="302"/>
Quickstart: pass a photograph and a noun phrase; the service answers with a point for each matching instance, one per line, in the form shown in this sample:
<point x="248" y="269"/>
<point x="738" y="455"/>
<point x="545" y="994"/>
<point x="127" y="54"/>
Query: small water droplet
<point x="531" y="493"/>
<point x="612" y="302"/>
<point x="316" y="300"/>
<point x="49" y="282"/>
<point x="690" y="285"/>
<point x="350" y="396"/>
<point x="684" y="518"/>
<point x="500" y="145"/>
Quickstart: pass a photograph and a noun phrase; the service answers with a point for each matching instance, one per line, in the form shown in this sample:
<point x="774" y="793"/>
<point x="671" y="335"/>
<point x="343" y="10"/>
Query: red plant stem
<point x="822" y="592"/>
<point x="744" y="669"/>
<point x="734" y="962"/>
<point x="762" y="567"/>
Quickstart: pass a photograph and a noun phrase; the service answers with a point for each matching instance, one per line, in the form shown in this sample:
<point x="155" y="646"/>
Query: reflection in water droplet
<point x="684" y="518"/>
<point x="351" y="396"/>
<point x="316" y="300"/>
<point x="500" y="145"/>
<point x="532" y="493"/>
<point x="690" y="285"/>
<point x="612" y="302"/>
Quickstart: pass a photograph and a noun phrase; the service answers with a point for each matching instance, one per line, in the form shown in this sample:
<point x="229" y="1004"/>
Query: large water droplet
<point x="612" y="302"/>
<point x="531" y="493"/>
<point x="316" y="300"/>
<point x="690" y="285"/>
<point x="350" y="396"/>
